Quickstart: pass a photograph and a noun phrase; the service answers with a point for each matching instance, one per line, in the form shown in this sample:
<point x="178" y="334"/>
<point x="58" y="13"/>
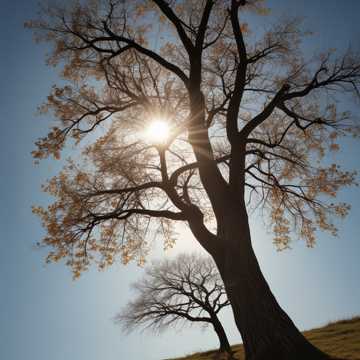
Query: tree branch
<point x="240" y="78"/>
<point x="168" y="12"/>
<point x="260" y="118"/>
<point x="151" y="54"/>
<point x="203" y="25"/>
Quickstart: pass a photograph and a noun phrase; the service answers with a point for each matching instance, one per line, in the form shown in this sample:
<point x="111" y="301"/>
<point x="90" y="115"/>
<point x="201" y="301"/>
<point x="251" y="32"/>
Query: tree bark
<point x="266" y="330"/>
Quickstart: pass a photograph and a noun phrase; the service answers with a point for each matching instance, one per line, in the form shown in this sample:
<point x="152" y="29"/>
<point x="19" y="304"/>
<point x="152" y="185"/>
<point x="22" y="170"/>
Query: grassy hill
<point x="340" y="339"/>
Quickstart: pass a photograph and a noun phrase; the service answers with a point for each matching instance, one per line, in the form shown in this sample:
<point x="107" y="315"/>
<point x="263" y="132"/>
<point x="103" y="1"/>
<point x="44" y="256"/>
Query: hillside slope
<point x="340" y="339"/>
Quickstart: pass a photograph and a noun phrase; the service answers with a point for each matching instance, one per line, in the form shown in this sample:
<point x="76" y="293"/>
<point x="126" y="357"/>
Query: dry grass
<point x="340" y="339"/>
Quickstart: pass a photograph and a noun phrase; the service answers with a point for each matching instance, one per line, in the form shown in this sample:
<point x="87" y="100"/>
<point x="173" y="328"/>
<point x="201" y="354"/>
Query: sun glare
<point x="158" y="131"/>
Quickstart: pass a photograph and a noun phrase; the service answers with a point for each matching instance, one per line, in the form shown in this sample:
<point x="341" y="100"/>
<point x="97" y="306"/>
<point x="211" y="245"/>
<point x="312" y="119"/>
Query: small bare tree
<point x="179" y="291"/>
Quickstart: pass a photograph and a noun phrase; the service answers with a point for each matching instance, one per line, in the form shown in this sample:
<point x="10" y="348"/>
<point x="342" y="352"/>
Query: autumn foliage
<point x="120" y="71"/>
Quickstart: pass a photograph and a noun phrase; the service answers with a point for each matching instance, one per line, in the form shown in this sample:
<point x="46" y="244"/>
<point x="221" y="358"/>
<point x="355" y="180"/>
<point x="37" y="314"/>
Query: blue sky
<point x="45" y="315"/>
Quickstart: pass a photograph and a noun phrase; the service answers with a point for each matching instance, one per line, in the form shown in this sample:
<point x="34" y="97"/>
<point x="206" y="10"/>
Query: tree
<point x="249" y="124"/>
<point x="181" y="291"/>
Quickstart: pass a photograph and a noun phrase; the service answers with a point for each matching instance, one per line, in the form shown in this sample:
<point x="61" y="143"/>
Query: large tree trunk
<point x="267" y="332"/>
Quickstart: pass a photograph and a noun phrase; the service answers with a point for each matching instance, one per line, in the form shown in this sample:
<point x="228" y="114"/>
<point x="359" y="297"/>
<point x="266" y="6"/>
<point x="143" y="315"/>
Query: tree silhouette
<point x="181" y="291"/>
<point x="249" y="121"/>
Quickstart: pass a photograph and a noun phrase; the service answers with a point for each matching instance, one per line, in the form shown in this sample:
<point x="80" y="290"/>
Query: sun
<point x="158" y="131"/>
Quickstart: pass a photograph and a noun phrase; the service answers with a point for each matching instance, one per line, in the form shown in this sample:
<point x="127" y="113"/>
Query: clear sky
<point x="45" y="315"/>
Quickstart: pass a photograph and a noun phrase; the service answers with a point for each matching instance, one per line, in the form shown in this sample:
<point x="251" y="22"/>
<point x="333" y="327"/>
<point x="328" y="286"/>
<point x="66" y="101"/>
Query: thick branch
<point x="240" y="78"/>
<point x="151" y="54"/>
<point x="123" y="214"/>
<point x="203" y="25"/>
<point x="131" y="189"/>
<point x="168" y="12"/>
<point x="260" y="118"/>
<point x="175" y="175"/>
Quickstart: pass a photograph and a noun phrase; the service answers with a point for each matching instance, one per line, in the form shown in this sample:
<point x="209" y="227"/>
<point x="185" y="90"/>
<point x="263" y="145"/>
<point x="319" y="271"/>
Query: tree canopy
<point x="247" y="116"/>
